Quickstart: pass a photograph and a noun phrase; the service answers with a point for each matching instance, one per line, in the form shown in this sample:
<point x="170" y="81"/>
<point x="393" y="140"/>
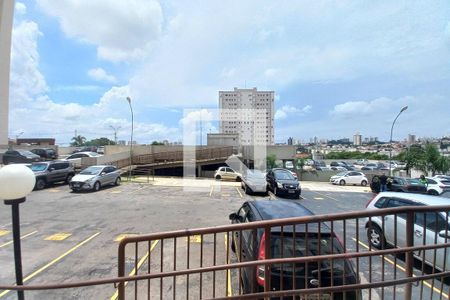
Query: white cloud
<point x="121" y="30"/>
<point x="20" y="8"/>
<point x="99" y="74"/>
<point x="285" y="110"/>
<point x="358" y="108"/>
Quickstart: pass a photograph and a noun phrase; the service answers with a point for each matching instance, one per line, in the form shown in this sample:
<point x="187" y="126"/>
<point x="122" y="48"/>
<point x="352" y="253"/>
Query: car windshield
<point x="38" y="167"/>
<point x="257" y="174"/>
<point x="26" y="153"/>
<point x="341" y="174"/>
<point x="91" y="171"/>
<point x="284" y="175"/>
<point x="413" y="181"/>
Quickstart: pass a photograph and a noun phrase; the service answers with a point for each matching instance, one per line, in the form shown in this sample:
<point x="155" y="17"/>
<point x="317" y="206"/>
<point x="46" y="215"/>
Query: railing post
<point x="409" y="255"/>
<point x="268" y="255"/>
<point x="121" y="271"/>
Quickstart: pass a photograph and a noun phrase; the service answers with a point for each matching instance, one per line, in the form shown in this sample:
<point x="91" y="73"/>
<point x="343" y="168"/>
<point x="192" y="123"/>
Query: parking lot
<point x="68" y="237"/>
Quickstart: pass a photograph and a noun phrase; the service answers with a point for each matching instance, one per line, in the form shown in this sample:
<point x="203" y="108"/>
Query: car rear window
<point x="381" y="202"/>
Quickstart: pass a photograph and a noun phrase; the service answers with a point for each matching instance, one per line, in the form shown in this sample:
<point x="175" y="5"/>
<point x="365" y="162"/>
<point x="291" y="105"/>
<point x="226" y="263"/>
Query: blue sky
<point x="337" y="67"/>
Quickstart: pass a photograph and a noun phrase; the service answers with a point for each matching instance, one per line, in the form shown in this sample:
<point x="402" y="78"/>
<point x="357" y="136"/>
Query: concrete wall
<point x="6" y="21"/>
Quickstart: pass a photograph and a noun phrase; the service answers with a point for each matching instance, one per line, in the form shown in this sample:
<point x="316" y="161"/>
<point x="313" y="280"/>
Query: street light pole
<point x="131" y="142"/>
<point x="115" y="129"/>
<point x="16" y="182"/>
<point x="390" y="140"/>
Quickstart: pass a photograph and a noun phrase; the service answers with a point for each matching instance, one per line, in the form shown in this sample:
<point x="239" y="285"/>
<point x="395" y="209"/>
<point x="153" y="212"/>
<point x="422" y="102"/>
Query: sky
<point x="337" y="67"/>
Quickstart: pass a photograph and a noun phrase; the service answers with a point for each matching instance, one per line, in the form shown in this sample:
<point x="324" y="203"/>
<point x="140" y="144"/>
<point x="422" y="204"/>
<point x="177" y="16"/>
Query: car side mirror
<point x="51" y="169"/>
<point x="444" y="234"/>
<point x="102" y="173"/>
<point x="233" y="216"/>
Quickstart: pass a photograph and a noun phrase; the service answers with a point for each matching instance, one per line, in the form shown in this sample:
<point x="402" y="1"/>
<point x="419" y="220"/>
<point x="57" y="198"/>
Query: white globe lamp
<point x="16" y="181"/>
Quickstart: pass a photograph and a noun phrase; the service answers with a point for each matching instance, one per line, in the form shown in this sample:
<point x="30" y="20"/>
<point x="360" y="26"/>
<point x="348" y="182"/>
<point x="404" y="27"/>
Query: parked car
<point x="337" y="164"/>
<point x="254" y="181"/>
<point x="361" y="162"/>
<point x="429" y="227"/>
<point x="406" y="185"/>
<point x="85" y="149"/>
<point x="52" y="171"/>
<point x="338" y="169"/>
<point x="349" y="177"/>
<point x="47" y="153"/>
<point x="20" y="156"/>
<point x="369" y="167"/>
<point x="249" y="245"/>
<point x="101" y="150"/>
<point x="75" y="159"/>
<point x="319" y="164"/>
<point x="95" y="177"/>
<point x="227" y="173"/>
<point x="444" y="177"/>
<point x="283" y="183"/>
<point x="436" y="186"/>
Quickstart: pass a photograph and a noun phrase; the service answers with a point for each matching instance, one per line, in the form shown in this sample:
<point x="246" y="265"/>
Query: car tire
<point x="375" y="237"/>
<point x="238" y="179"/>
<point x="96" y="186"/>
<point x="118" y="181"/>
<point x="218" y="177"/>
<point x="342" y="182"/>
<point x="433" y="192"/>
<point x="247" y="190"/>
<point x="68" y="178"/>
<point x="40" y="184"/>
<point x="233" y="246"/>
<point x="364" y="183"/>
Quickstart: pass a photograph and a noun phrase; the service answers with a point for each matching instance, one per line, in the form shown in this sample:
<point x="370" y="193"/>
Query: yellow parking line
<point x="229" y="290"/>
<point x="137" y="190"/>
<point x="54" y="261"/>
<point x="22" y="237"/>
<point x="240" y="194"/>
<point x="4" y="232"/>
<point x="139" y="265"/>
<point x="318" y="198"/>
<point x="212" y="189"/>
<point x="440" y="292"/>
<point x="60" y="236"/>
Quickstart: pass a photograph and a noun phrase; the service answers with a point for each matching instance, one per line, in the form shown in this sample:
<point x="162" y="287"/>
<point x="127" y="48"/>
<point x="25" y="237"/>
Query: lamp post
<point x="131" y="142"/>
<point x="390" y="140"/>
<point x="16" y="182"/>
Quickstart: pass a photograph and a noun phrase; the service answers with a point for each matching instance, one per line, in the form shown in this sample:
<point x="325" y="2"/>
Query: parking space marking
<point x="229" y="290"/>
<point x="195" y="238"/>
<point x="54" y="261"/>
<point x="332" y="198"/>
<point x="4" y="232"/>
<point x="225" y="195"/>
<point x="139" y="265"/>
<point x="22" y="237"/>
<point x="121" y="236"/>
<point x="53" y="190"/>
<point x="211" y="191"/>
<point x="240" y="194"/>
<point x="435" y="289"/>
<point x="318" y="198"/>
<point x="60" y="236"/>
<point x="116" y="192"/>
<point x="138" y="189"/>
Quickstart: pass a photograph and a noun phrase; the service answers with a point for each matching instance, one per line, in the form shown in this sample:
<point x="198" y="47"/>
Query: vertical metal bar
<point x="267" y="268"/>
<point x="149" y="247"/>
<point x="319" y="263"/>
<point x="282" y="256"/>
<point x="201" y="265"/>
<point x="121" y="270"/>
<point x="16" y="239"/>
<point x="306" y="254"/>
<point x="382" y="259"/>
<point x="136" y="257"/>
<point x="357" y="245"/>
<point x="253" y="257"/>
<point x="187" y="265"/>
<point x="332" y="260"/>
<point x="344" y="223"/>
<point x="435" y="243"/>
<point x="227" y="260"/>
<point x="409" y="254"/>
<point x="294" y="247"/>
<point x="395" y="256"/>
<point x="240" y="258"/>
<point x="423" y="252"/>
<point x="161" y="269"/>
<point x="175" y="268"/>
<point x="214" y="263"/>
<point x="370" y="258"/>
<point x="445" y="254"/>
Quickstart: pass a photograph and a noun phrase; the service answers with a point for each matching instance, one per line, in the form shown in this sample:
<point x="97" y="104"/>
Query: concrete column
<point x="6" y="21"/>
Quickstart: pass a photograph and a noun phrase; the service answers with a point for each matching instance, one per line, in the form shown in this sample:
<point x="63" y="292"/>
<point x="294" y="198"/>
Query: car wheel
<point x="342" y="182"/>
<point x="375" y="237"/>
<point x="247" y="190"/>
<point x="40" y="184"/>
<point x="364" y="183"/>
<point x="118" y="181"/>
<point x="68" y="178"/>
<point x="218" y="177"/>
<point x="96" y="186"/>
<point x="433" y="192"/>
<point x="238" y="179"/>
<point x="233" y="246"/>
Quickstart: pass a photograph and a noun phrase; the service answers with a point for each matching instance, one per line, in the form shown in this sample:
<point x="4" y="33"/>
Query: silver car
<point x="94" y="177"/>
<point x="429" y="228"/>
<point x="254" y="181"/>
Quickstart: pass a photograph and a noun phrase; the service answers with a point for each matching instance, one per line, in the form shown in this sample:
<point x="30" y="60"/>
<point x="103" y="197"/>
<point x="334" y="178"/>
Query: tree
<point x="270" y="160"/>
<point x="78" y="141"/>
<point x="99" y="142"/>
<point x="156" y="143"/>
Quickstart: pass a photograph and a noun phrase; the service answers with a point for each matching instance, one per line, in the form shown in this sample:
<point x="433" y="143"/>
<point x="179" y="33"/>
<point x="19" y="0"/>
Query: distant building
<point x="248" y="113"/>
<point x="290" y="141"/>
<point x="121" y="142"/>
<point x="36" y="141"/>
<point x="357" y="139"/>
<point x="373" y="139"/>
<point x="411" y="139"/>
<point x="222" y="139"/>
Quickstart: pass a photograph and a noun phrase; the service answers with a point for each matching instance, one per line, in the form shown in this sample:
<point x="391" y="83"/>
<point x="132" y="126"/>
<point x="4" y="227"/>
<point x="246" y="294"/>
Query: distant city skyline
<point x="336" y="68"/>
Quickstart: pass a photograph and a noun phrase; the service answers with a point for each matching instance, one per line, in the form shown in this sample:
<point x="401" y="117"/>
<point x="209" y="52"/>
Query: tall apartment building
<point x="357" y="139"/>
<point x="249" y="113"/>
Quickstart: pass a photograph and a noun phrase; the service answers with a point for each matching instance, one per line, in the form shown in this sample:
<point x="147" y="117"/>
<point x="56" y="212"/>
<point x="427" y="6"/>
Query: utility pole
<point x="115" y="129"/>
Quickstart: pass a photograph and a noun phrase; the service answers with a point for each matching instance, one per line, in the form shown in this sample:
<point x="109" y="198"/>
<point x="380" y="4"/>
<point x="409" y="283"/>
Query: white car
<point x="430" y="228"/>
<point x="349" y="177"/>
<point x="227" y="173"/>
<point x="436" y="186"/>
<point x="75" y="158"/>
<point x="254" y="181"/>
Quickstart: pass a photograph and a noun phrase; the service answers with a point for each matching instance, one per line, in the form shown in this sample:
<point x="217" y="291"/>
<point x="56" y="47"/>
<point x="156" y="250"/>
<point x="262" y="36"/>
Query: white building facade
<point x="249" y="113"/>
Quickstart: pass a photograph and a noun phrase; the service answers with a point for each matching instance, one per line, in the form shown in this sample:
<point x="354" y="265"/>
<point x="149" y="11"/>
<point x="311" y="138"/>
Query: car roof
<point x="281" y="209"/>
<point x="424" y="199"/>
<point x="280" y="169"/>
<point x="102" y="166"/>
